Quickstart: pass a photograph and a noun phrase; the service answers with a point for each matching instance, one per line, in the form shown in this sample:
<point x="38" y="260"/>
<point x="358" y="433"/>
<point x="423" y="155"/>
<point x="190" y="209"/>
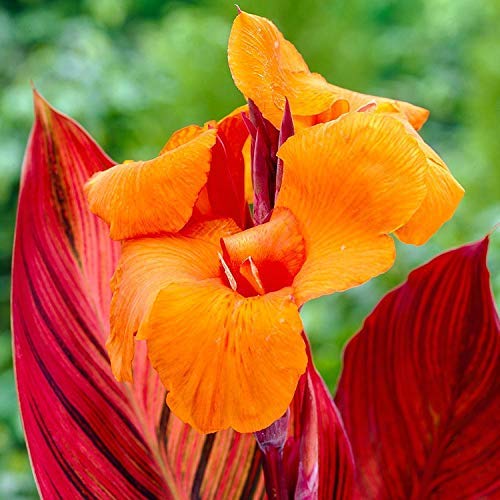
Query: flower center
<point x="264" y="258"/>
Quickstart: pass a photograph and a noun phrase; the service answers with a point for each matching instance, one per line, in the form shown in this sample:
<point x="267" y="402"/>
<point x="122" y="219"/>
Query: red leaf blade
<point x="89" y="436"/>
<point x="62" y="263"/>
<point x="419" y="393"/>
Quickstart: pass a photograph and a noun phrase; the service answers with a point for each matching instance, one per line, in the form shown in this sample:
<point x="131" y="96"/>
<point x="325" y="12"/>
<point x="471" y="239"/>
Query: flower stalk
<point x="271" y="441"/>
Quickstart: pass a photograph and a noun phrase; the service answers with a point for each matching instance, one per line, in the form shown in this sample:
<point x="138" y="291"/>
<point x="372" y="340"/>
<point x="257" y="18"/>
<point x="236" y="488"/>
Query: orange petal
<point x="267" y="68"/>
<point x="443" y="191"/>
<point x="443" y="196"/>
<point x="190" y="132"/>
<point x="149" y="264"/>
<point x="150" y="197"/>
<point x="202" y="206"/>
<point x="226" y="360"/>
<point x="338" y="108"/>
<point x="350" y="183"/>
<point x="247" y="157"/>
<point x="416" y="115"/>
<point x="276" y="248"/>
<point x="227" y="168"/>
<point x="184" y="135"/>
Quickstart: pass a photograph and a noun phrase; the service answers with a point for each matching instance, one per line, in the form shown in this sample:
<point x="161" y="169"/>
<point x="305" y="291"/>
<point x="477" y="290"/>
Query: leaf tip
<point x="492" y="230"/>
<point x="480" y="248"/>
<point x="41" y="105"/>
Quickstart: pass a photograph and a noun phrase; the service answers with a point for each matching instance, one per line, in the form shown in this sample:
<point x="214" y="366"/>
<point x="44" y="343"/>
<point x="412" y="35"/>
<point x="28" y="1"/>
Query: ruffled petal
<point x="150" y="197"/>
<point x="350" y="183"/>
<point x="276" y="248"/>
<point x="224" y="193"/>
<point x="226" y="360"/>
<point x="149" y="264"/>
<point x="184" y="135"/>
<point x="443" y="191"/>
<point x="415" y="115"/>
<point x="267" y="68"/>
<point x="444" y="194"/>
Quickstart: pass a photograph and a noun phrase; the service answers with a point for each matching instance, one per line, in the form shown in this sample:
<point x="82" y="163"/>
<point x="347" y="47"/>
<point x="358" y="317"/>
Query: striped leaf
<point x="420" y="390"/>
<point x="89" y="436"/>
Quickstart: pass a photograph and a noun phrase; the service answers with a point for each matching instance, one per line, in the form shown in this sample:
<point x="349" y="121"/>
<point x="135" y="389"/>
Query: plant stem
<point x="272" y="464"/>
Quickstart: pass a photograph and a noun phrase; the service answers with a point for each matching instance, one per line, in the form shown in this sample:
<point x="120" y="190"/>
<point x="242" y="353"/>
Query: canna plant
<point x="191" y="375"/>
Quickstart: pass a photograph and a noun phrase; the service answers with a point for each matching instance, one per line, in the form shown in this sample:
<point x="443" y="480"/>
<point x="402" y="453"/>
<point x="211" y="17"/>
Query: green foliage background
<point x="134" y="71"/>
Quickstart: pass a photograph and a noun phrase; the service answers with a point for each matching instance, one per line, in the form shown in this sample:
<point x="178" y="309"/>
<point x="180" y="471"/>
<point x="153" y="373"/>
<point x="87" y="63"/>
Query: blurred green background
<point x="133" y="71"/>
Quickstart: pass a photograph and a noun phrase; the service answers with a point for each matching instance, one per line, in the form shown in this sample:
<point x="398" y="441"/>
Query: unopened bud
<point x="275" y="435"/>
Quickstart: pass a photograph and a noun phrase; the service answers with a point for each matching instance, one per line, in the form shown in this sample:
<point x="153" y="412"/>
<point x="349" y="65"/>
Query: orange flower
<point x="268" y="69"/>
<point x="219" y="306"/>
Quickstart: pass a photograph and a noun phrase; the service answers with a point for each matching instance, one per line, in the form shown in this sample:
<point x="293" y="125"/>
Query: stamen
<point x="250" y="272"/>
<point x="229" y="274"/>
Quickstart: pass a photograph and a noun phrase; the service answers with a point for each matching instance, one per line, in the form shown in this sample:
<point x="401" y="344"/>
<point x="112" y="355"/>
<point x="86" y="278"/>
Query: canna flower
<point x="217" y="304"/>
<point x="269" y="70"/>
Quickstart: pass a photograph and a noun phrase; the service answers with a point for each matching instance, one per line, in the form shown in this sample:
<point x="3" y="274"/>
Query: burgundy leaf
<point x="87" y="435"/>
<point x="419" y="393"/>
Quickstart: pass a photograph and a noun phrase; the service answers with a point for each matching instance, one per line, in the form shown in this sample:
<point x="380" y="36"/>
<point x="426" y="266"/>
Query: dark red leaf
<point x="87" y="435"/>
<point x="419" y="393"/>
